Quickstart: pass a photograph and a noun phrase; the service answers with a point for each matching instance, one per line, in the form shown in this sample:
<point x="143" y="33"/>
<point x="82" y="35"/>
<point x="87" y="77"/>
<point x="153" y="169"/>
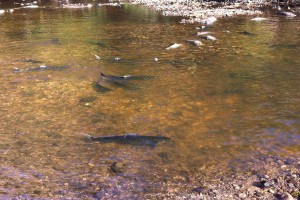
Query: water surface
<point x="233" y="99"/>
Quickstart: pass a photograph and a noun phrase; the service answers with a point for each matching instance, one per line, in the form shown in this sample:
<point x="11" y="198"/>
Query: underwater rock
<point x="195" y="42"/>
<point x="97" y="57"/>
<point x="118" y="4"/>
<point x="79" y="5"/>
<point x="203" y="33"/>
<point x="209" y="20"/>
<point x="117" y="167"/>
<point x="173" y="46"/>
<point x="287" y="14"/>
<point x="209" y="37"/>
<point x="259" y="19"/>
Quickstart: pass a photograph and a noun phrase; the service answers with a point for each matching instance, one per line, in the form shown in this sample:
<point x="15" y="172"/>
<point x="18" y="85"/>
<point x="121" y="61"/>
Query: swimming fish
<point x="246" y="33"/>
<point x="106" y="82"/>
<point x="131" y="139"/>
<point x="125" y="77"/>
<point x="29" y="60"/>
<point x="41" y="68"/>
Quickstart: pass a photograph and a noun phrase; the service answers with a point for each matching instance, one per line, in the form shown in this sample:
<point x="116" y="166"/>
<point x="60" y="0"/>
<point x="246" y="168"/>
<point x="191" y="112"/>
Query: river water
<point x="225" y="103"/>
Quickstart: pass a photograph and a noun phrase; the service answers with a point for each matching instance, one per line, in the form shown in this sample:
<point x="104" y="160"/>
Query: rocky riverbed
<point x="197" y="11"/>
<point x="265" y="178"/>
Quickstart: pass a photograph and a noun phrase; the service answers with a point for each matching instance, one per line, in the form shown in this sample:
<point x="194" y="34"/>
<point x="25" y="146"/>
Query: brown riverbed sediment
<point x="230" y="105"/>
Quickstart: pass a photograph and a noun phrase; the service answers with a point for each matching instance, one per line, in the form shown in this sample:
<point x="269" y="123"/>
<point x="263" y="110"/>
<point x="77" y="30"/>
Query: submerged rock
<point x="209" y="37"/>
<point x="203" y="33"/>
<point x="285" y="196"/>
<point x="195" y="42"/>
<point x="259" y="19"/>
<point x="30" y="6"/>
<point x="288" y="14"/>
<point x="117" y="167"/>
<point x="111" y="4"/>
<point x="79" y="5"/>
<point x="209" y="20"/>
<point x="173" y="46"/>
<point x="201" y="28"/>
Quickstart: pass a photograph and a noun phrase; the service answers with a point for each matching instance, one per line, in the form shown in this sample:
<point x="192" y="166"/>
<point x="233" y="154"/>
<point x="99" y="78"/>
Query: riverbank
<point x="265" y="178"/>
<point x="197" y="11"/>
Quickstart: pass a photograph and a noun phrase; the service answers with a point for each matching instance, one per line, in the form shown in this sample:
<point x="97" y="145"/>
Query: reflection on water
<point x="235" y="98"/>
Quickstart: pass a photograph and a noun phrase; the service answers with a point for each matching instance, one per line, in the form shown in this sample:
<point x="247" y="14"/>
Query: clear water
<point x="233" y="99"/>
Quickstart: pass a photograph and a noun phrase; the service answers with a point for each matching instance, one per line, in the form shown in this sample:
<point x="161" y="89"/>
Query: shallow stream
<point x="225" y="103"/>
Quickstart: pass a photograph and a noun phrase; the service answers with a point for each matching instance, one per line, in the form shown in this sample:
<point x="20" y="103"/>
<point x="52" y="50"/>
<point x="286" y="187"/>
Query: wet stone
<point x="242" y="195"/>
<point x="117" y="167"/>
<point x="280" y="162"/>
<point x="198" y="189"/>
<point x="266" y="184"/>
<point x="258" y="193"/>
<point x="236" y="187"/>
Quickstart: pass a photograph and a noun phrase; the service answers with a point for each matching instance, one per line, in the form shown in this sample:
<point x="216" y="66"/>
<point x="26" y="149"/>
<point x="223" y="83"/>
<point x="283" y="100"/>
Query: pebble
<point x="267" y="184"/>
<point x="271" y="191"/>
<point x="195" y="42"/>
<point x="286" y="196"/>
<point x="195" y="11"/>
<point x="209" y="37"/>
<point x="236" y="186"/>
<point x="280" y="162"/>
<point x="294" y="176"/>
<point x="203" y="33"/>
<point x="173" y="46"/>
<point x="117" y="167"/>
<point x="242" y="195"/>
<point x="259" y="19"/>
<point x="258" y="193"/>
<point x="209" y="20"/>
